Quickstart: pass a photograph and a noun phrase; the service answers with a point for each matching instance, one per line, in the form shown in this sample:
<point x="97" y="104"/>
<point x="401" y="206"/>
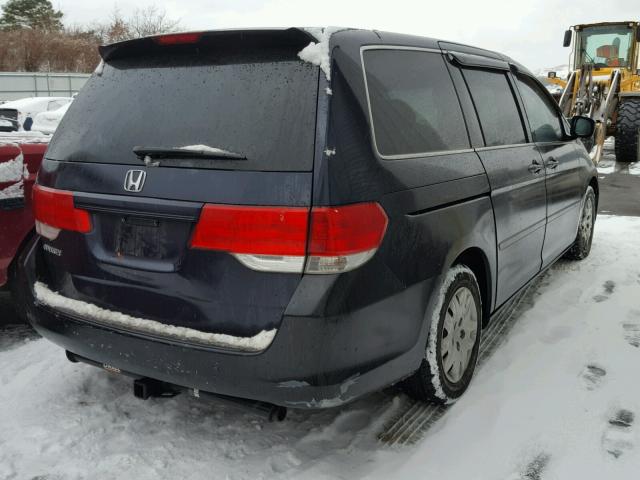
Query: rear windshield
<point x="261" y="106"/>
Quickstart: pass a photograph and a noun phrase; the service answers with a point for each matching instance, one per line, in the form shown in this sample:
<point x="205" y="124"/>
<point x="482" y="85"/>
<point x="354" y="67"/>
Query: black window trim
<point x="524" y="119"/>
<point x="469" y="60"/>
<point x="372" y="129"/>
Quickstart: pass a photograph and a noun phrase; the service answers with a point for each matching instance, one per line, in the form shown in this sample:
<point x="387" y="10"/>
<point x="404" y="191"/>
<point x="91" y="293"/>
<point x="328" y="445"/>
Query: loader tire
<point x="627" y="128"/>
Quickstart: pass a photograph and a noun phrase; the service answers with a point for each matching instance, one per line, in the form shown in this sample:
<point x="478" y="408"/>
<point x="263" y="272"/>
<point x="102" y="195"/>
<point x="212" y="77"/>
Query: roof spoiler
<point x="214" y="39"/>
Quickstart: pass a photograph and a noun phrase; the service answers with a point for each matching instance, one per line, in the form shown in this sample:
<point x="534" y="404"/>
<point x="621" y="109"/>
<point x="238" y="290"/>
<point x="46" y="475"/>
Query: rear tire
<point x="582" y="244"/>
<point x="15" y="287"/>
<point x="17" y="297"/>
<point x="454" y="339"/>
<point x="627" y="127"/>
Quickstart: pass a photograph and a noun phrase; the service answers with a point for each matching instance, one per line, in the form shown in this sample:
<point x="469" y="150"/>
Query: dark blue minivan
<point x="297" y="217"/>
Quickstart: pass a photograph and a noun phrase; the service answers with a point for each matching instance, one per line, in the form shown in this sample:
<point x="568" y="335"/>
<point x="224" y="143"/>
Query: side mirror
<point x="551" y="74"/>
<point x="567" y="38"/>
<point x="582" y="127"/>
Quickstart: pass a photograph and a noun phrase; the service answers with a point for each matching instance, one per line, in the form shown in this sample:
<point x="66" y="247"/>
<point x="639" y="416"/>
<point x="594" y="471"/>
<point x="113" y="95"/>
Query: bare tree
<point x="151" y="21"/>
<point x="144" y="22"/>
<point x="75" y="48"/>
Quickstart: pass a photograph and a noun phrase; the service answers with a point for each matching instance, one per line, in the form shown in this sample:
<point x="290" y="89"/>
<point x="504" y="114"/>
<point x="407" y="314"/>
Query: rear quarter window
<point x="414" y="107"/>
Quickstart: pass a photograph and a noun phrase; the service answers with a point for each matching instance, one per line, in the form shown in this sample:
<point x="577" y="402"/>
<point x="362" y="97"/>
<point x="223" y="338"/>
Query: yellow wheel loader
<point x="604" y="84"/>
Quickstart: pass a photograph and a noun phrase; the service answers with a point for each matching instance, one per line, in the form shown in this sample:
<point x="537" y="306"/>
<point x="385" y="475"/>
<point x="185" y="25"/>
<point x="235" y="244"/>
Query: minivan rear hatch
<point x="166" y="129"/>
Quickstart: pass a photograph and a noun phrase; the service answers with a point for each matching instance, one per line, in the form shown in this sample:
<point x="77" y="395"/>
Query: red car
<point x="20" y="159"/>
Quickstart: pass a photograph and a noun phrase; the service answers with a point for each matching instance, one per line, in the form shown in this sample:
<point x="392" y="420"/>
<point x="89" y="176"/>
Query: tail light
<point x="263" y="238"/>
<point x="178" y="38"/>
<point x="343" y="238"/>
<point x="283" y="239"/>
<point x="54" y="211"/>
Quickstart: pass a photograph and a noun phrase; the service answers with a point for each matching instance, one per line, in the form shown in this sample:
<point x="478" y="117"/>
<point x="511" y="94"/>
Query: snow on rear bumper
<point x="313" y="361"/>
<point x="279" y="375"/>
<point x="49" y="298"/>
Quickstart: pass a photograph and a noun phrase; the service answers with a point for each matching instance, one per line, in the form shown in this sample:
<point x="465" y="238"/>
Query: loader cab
<point x="604" y="45"/>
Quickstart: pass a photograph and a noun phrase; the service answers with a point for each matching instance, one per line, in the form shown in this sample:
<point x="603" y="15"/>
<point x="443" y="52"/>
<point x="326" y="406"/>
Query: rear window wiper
<point x="189" y="152"/>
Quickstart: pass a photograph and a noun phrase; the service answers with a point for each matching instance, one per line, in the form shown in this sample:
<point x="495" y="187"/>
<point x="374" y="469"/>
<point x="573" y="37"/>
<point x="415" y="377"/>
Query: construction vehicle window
<point x="605" y="45"/>
<point x="414" y="107"/>
<point x="498" y="112"/>
<point x="544" y="120"/>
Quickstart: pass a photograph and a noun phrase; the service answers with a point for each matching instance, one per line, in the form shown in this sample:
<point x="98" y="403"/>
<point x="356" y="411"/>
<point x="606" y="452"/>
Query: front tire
<point x="454" y="339"/>
<point x="582" y="244"/>
<point x="627" y="130"/>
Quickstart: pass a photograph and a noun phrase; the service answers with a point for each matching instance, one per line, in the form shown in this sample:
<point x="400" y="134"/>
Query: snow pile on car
<point x="89" y="311"/>
<point x="204" y="149"/>
<point x="13" y="172"/>
<point x="318" y="53"/>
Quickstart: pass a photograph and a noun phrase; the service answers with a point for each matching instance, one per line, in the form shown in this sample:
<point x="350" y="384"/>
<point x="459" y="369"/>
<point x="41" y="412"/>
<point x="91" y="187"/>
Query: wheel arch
<point x="476" y="259"/>
<point x="12" y="269"/>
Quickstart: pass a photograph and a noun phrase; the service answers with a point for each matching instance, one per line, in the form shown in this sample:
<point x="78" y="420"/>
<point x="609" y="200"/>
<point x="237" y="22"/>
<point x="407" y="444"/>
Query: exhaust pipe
<point x="145" y="388"/>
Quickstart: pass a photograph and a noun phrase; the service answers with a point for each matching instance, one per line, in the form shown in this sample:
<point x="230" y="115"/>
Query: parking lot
<point x="552" y="399"/>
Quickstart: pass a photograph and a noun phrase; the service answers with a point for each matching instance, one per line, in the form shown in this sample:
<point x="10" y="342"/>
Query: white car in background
<point x="13" y="114"/>
<point x="47" y="122"/>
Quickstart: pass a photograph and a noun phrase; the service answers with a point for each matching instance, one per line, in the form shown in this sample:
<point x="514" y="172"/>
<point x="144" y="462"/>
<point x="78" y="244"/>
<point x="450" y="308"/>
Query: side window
<point x="499" y="115"/>
<point x="414" y="107"/>
<point x="543" y="116"/>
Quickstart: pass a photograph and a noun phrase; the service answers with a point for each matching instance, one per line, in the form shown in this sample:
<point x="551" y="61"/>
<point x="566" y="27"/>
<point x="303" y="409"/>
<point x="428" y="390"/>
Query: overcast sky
<point x="530" y="31"/>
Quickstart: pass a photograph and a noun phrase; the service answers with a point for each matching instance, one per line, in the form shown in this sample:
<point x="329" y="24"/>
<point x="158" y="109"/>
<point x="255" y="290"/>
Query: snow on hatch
<point x="317" y="53"/>
<point x="205" y="149"/>
<point x="53" y="299"/>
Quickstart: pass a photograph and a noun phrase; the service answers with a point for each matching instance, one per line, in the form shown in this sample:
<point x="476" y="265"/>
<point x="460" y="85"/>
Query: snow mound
<point x="53" y="299"/>
<point x="317" y="53"/>
<point x="13" y="170"/>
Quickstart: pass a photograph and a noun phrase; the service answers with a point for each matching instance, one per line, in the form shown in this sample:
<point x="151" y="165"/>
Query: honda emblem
<point x="134" y="180"/>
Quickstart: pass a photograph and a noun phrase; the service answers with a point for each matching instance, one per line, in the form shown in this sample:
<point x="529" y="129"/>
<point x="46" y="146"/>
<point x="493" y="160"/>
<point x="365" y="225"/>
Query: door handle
<point x="535" y="167"/>
<point x="552" y="163"/>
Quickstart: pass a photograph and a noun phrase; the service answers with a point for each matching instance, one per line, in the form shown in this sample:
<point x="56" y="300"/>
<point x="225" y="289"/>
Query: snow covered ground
<point x="558" y="400"/>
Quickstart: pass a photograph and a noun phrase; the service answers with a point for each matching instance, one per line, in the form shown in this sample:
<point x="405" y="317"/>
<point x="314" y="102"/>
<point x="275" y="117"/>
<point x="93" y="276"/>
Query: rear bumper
<point x="275" y="376"/>
<point x="313" y="362"/>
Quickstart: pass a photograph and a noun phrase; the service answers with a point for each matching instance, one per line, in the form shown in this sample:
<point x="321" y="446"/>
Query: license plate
<point x="139" y="237"/>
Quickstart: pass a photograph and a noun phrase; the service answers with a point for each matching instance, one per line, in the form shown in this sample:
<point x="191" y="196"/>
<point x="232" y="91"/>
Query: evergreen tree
<point x="34" y="14"/>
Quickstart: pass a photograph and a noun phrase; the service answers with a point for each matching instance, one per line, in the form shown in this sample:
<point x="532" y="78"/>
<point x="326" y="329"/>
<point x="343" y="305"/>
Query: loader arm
<point x="602" y="116"/>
